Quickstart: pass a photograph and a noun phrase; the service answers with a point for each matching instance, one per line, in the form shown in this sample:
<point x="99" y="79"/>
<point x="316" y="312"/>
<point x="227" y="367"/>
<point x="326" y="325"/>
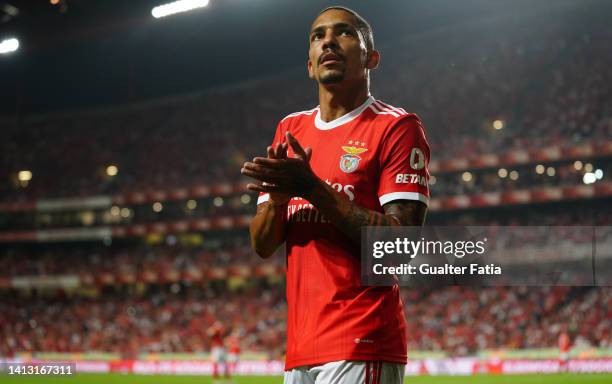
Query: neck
<point x="335" y="102"/>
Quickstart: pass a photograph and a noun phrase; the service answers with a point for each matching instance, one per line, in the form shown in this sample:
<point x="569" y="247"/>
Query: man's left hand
<point x="289" y="175"/>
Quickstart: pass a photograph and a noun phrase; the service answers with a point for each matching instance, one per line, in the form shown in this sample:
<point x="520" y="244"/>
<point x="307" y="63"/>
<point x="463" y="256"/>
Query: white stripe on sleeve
<point x="263" y="198"/>
<point x="384" y="199"/>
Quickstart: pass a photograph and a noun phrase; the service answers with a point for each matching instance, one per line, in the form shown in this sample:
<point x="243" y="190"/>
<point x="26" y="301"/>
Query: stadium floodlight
<point x="157" y="207"/>
<point x="192" y="204"/>
<point x="598" y="174"/>
<point x="112" y="170"/>
<point x="577" y="165"/>
<point x="589" y="178"/>
<point x="24" y="175"/>
<point x="9" y="45"/>
<point x="177" y="7"/>
<point x="125" y="213"/>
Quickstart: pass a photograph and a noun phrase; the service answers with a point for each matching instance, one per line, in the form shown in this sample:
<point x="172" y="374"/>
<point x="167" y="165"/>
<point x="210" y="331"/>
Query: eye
<point x="346" y="32"/>
<point x="316" y="36"/>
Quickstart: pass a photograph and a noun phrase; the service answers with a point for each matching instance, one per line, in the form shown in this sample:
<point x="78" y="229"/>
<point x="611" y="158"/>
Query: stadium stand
<point x="155" y="281"/>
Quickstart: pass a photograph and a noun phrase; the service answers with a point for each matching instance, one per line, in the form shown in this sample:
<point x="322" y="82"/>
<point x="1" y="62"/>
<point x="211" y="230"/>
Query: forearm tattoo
<point x="396" y="214"/>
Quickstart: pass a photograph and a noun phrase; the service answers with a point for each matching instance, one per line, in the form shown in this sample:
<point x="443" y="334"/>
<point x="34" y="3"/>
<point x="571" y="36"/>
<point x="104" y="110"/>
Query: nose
<point x="329" y="41"/>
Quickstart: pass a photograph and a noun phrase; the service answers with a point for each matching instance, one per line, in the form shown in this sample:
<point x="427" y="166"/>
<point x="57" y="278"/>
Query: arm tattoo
<point x="397" y="213"/>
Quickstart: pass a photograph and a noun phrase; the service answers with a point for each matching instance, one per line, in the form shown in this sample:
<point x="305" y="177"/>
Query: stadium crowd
<point x="131" y="324"/>
<point x="547" y="83"/>
<point x="462" y="321"/>
<point x="459" y="321"/>
<point x="232" y="248"/>
<point x="133" y="258"/>
<point x="542" y="86"/>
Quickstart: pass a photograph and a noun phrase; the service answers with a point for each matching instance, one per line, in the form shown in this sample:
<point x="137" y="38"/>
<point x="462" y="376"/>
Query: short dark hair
<point x="361" y="24"/>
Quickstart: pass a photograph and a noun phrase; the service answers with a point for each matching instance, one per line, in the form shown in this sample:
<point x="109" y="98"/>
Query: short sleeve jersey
<point x="373" y="155"/>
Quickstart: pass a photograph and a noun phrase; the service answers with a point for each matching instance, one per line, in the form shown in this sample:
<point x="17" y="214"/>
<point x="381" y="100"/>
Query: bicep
<point x="406" y="212"/>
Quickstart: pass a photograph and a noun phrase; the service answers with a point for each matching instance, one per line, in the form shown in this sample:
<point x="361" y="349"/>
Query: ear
<point x="373" y="60"/>
<point x="310" y="69"/>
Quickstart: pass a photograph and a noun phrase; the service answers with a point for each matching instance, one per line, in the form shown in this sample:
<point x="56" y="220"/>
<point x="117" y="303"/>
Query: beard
<point x="331" y="77"/>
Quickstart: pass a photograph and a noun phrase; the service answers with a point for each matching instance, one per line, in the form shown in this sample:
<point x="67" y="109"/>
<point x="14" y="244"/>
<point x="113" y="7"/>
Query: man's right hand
<point x="267" y="229"/>
<point x="279" y="151"/>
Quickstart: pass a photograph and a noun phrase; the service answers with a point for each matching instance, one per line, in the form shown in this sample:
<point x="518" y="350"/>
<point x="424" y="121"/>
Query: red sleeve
<point x="404" y="162"/>
<point x="279" y="137"/>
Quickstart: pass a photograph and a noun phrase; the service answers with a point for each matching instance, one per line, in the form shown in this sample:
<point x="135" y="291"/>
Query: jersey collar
<point x="322" y="125"/>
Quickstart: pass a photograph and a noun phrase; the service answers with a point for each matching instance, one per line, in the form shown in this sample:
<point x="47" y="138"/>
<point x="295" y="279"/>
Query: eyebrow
<point x="334" y="26"/>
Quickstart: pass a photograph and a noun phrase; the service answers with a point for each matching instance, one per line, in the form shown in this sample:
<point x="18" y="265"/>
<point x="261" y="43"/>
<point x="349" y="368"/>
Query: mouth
<point x="330" y="58"/>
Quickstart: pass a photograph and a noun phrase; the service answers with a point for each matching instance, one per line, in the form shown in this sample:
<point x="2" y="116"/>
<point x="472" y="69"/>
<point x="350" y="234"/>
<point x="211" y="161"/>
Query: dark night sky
<point x="113" y="52"/>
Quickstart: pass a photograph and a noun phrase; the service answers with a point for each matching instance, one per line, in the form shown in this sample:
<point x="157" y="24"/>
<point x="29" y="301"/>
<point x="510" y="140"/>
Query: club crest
<point x="350" y="160"/>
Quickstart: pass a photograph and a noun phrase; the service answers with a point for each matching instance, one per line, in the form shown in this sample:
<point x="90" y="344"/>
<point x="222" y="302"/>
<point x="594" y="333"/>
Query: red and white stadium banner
<point x="445" y="203"/>
<point x="520" y="157"/>
<point x="507" y="159"/>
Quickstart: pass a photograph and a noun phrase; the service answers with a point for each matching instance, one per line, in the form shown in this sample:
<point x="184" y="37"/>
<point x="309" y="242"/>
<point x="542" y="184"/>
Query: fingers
<point x="308" y="152"/>
<point x="259" y="176"/>
<point x="295" y="145"/>
<point x="260" y="172"/>
<point x="281" y="150"/>
<point x="278" y="151"/>
<point x="270" y="163"/>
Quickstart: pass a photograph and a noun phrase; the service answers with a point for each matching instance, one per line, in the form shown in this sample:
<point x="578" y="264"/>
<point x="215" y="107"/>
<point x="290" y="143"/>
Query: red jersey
<point x="564" y="342"/>
<point x="373" y="155"/>
<point x="234" y="345"/>
<point x="216" y="336"/>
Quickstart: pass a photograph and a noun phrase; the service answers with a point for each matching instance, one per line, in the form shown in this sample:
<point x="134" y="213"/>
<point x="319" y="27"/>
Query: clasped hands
<point x="281" y="176"/>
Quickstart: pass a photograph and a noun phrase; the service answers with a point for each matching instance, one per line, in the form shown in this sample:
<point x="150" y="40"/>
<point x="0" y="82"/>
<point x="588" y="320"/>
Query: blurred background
<point x="123" y="214"/>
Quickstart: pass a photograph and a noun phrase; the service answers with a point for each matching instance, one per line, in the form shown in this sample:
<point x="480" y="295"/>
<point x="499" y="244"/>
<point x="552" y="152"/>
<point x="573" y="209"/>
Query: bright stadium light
<point x="589" y="178"/>
<point x="177" y="7"/>
<point x="498" y="124"/>
<point x="514" y="175"/>
<point x="218" y="201"/>
<point x="503" y="172"/>
<point x="112" y="170"/>
<point x="577" y="165"/>
<point x="245" y="198"/>
<point x="598" y="174"/>
<point x="588" y="167"/>
<point x="9" y="45"/>
<point x="466" y="176"/>
<point x="540" y="169"/>
<point x="192" y="204"/>
<point x="157" y="207"/>
<point x="24" y="175"/>
<point x="115" y="210"/>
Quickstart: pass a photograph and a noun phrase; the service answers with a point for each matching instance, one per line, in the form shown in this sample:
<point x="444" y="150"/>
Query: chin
<point x="331" y="78"/>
